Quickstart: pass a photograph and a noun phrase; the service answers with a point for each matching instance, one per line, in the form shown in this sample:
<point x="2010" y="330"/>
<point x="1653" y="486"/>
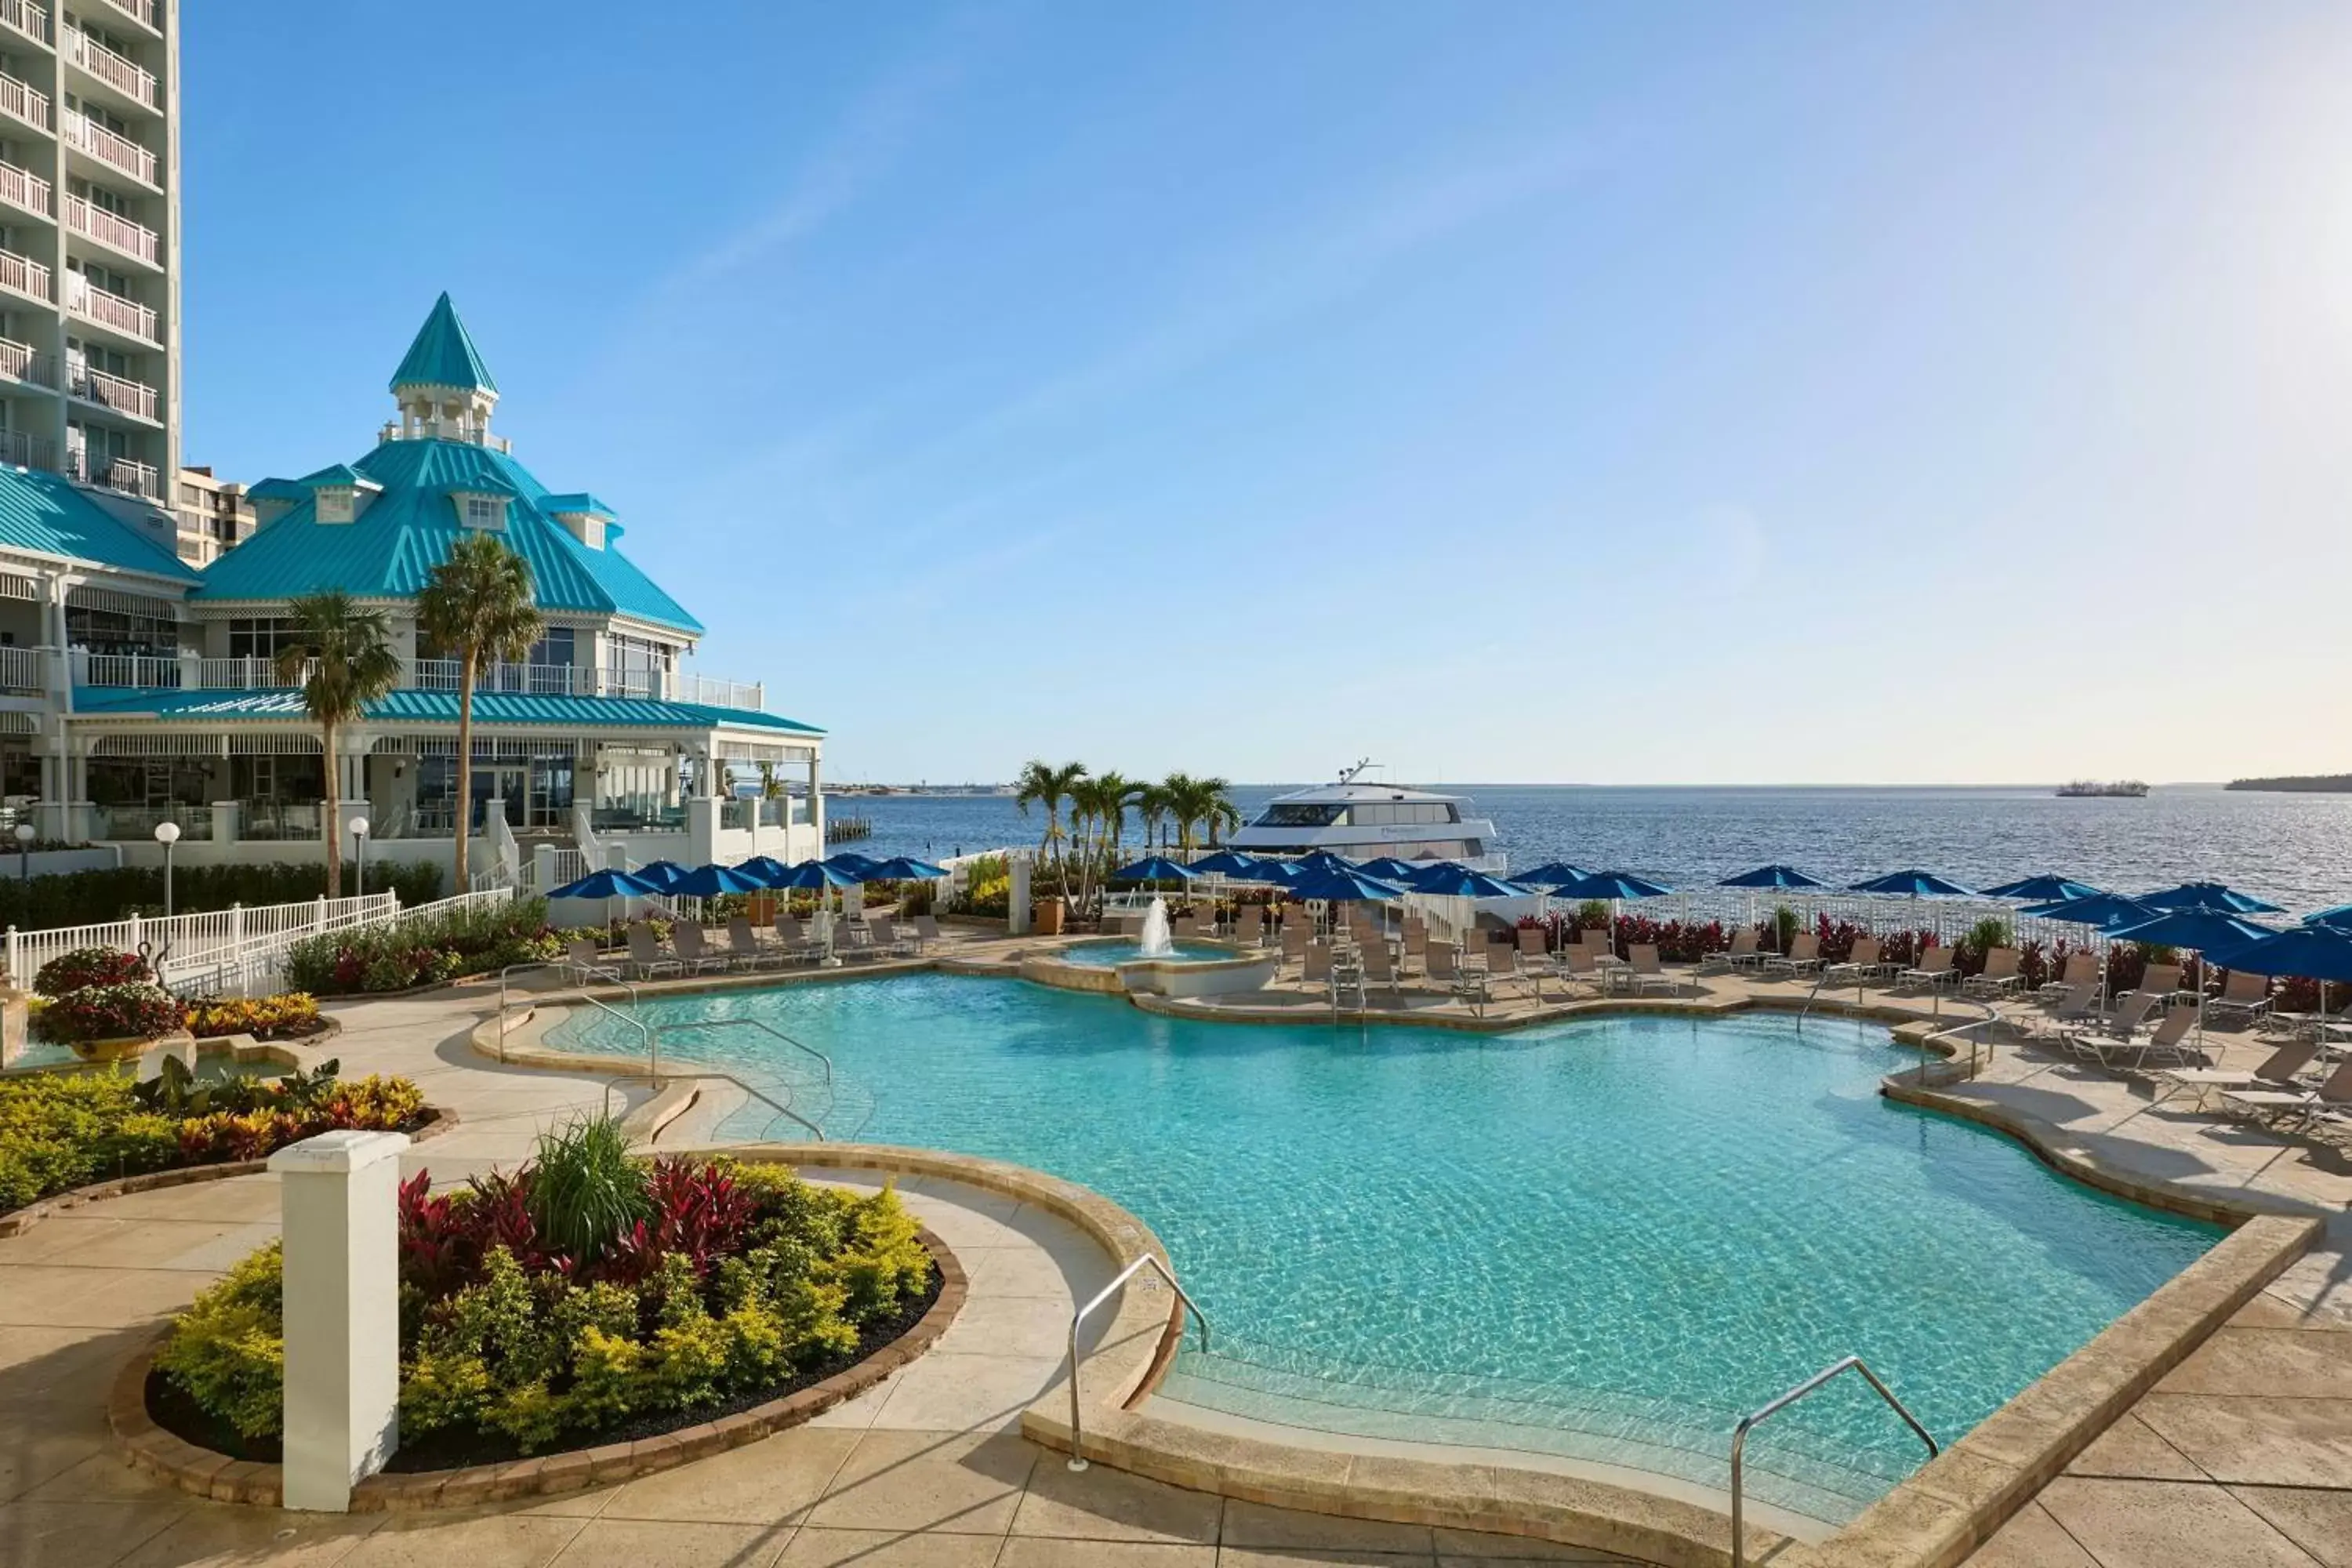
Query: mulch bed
<point x="174" y="1410"/>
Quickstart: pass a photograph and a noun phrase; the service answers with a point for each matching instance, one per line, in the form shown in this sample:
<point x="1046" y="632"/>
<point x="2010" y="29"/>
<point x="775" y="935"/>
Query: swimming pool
<point x="1603" y="1239"/>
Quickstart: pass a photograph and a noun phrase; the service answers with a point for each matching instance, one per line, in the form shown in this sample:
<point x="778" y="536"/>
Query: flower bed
<point x="441" y="947"/>
<point x="586" y="1299"/>
<point x="60" y="1131"/>
<point x="290" y="1015"/>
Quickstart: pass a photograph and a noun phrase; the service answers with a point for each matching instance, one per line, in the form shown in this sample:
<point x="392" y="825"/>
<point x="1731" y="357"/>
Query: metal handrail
<point x="769" y="1101"/>
<point x="1077" y="1454"/>
<point x="651" y="1038"/>
<point x="1750" y="1422"/>
<point x="764" y="1028"/>
<point x="1992" y="1015"/>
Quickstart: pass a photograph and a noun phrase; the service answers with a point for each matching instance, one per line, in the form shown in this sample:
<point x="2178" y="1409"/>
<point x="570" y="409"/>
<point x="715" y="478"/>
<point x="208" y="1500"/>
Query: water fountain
<point x="1155" y="942"/>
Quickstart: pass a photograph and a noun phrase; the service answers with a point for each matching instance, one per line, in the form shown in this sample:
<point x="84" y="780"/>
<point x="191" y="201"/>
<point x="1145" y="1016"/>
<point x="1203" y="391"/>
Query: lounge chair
<point x="2276" y="1072"/>
<point x="1440" y="961"/>
<point x="2159" y="983"/>
<point x="1862" y="963"/>
<point x="1502" y="964"/>
<point x="1317" y="963"/>
<point x="887" y="939"/>
<point x="799" y="946"/>
<point x="1743" y="950"/>
<point x="646" y="956"/>
<point x="2118" y="1024"/>
<point x="1378" y="970"/>
<point x="1416" y="944"/>
<point x="746" y="946"/>
<point x="685" y="937"/>
<point x="2082" y="970"/>
<point x="1646" y="972"/>
<point x="1998" y="977"/>
<point x="585" y="959"/>
<point x="1249" y="926"/>
<point x="2245" y="996"/>
<point x="1804" y="955"/>
<point x="927" y="931"/>
<point x="1580" y="963"/>
<point x="1471" y="984"/>
<point x="2331" y="1098"/>
<point x="2114" y="1053"/>
<point x="1933" y="968"/>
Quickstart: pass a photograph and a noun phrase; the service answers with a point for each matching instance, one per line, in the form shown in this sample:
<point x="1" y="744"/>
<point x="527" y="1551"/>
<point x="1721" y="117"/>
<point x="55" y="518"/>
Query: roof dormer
<point x="443" y="389"/>
<point x="483" y="502"/>
<point x="339" y="494"/>
<point x="583" y="517"/>
<point x="273" y="498"/>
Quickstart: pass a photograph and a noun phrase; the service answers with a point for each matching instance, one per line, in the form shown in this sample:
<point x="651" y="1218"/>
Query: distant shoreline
<point x="2297" y="783"/>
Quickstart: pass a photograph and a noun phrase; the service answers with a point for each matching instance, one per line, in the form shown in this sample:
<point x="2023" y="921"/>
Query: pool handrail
<point x="765" y="1029"/>
<point x="1748" y="1423"/>
<point x="650" y="1038"/>
<point x="770" y="1101"/>
<point x="1078" y="1318"/>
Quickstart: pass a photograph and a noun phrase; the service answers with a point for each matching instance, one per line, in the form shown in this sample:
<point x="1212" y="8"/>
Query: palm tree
<point x="1202" y="803"/>
<point x="1183" y="807"/>
<point x="341" y="657"/>
<point x="1153" y="804"/>
<point x="1044" y="784"/>
<point x="1112" y="793"/>
<point x="1092" y="801"/>
<point x="1217" y="807"/>
<point x="478" y="607"/>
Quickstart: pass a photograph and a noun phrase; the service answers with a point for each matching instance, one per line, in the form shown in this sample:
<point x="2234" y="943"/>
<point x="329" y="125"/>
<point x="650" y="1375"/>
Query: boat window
<point x="1400" y="814"/>
<point x="1301" y="814"/>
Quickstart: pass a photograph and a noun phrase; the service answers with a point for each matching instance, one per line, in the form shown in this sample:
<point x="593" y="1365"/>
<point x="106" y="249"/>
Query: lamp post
<point x="359" y="841"/>
<point x="167" y="834"/>
<point x="25" y="837"/>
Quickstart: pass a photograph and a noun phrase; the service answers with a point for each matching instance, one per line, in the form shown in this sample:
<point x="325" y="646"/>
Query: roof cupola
<point x="444" y="390"/>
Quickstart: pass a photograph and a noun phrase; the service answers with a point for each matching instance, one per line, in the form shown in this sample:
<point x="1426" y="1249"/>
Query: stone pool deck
<point x="2240" y="1456"/>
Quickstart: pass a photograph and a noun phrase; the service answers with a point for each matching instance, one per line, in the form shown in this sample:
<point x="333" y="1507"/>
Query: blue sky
<point x="1666" y="393"/>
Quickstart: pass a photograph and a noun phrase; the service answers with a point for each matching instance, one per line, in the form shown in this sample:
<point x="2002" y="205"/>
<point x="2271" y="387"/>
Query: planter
<point x="1053" y="915"/>
<point x="208" y="1473"/>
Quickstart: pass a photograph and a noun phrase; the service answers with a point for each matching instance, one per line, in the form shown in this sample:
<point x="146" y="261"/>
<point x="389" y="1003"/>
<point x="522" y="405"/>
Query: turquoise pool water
<point x="1603" y="1239"/>
<point x="1109" y="954"/>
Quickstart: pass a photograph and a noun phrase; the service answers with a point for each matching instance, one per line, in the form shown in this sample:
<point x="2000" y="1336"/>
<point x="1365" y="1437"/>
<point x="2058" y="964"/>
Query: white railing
<point x="108" y="147"/>
<point x="121" y="75"/>
<point x="198" y="940"/>
<point x="142" y="11"/>
<point x="116" y="392"/>
<point x="22" y="361"/>
<point x="28" y="18"/>
<point x="444" y="430"/>
<point x="24" y="101"/>
<point x="127" y="475"/>
<point x="24" y="188"/>
<point x="110" y="228"/>
<point x="482" y="899"/>
<point x="93" y="303"/>
<point x="24" y="670"/>
<point x="21" y="450"/>
<point x="714" y="692"/>
<point x="23" y="273"/>
<point x="538" y="679"/>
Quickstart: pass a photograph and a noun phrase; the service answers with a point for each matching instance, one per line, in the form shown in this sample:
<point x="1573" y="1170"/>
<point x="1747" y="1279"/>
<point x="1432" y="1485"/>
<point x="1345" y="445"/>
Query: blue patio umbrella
<point x="2102" y="910"/>
<point x="859" y="867"/>
<point x="2043" y="890"/>
<point x="763" y="869"/>
<point x="2207" y="896"/>
<point x="1224" y="863"/>
<point x="1784" y="877"/>
<point x="1389" y="869"/>
<point x="1551" y="874"/>
<point x="2340" y="916"/>
<point x="818" y="875"/>
<point x="1282" y="873"/>
<point x="907" y="869"/>
<point x="2201" y="930"/>
<point x="606" y="885"/>
<point x="1913" y="884"/>
<point x="1459" y="882"/>
<point x="1613" y="886"/>
<point x="1349" y="886"/>
<point x="1326" y="860"/>
<point x="1153" y="869"/>
<point x="662" y="874"/>
<point x="2306" y="952"/>
<point x="715" y="881"/>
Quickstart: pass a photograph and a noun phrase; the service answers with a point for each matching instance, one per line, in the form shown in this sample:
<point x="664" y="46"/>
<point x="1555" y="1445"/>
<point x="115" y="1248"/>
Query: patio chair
<point x="2331" y="1099"/>
<point x="1502" y="964"/>
<point x="2276" y="1072"/>
<point x="797" y="944"/>
<point x="2120" y="1025"/>
<point x="1294" y="941"/>
<point x="1804" y="956"/>
<point x="586" y="958"/>
<point x="1474" y="983"/>
<point x="1416" y="944"/>
<point x="1646" y="973"/>
<point x="2075" y="1002"/>
<point x="1999" y="976"/>
<point x="2159" y="982"/>
<point x="1440" y="963"/>
<point x="1317" y="963"/>
<point x="685" y="937"/>
<point x="927" y="931"/>
<point x="1249" y="926"/>
<point x="1580" y="963"/>
<point x="748" y="949"/>
<point x="887" y="939"/>
<point x="2114" y="1053"/>
<point x="2082" y="969"/>
<point x="2245" y="996"/>
<point x="647" y="957"/>
<point x="859" y="942"/>
<point x="1745" y="949"/>
<point x="1378" y="968"/>
<point x="1933" y="968"/>
<point x="1861" y="964"/>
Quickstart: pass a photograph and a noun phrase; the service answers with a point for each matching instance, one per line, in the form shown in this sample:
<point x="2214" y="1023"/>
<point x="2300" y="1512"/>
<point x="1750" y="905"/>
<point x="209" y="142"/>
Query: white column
<point x="816" y="801"/>
<point x="343" y="1313"/>
<point x="1016" y="908"/>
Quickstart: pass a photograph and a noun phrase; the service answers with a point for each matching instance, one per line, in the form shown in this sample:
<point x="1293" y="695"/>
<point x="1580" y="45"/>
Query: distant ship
<point x="2128" y="788"/>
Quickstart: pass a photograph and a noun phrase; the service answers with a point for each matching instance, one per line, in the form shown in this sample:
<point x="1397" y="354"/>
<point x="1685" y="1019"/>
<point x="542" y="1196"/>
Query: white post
<point x="319" y="914"/>
<point x="542" y="868"/>
<point x="340" y="1215"/>
<point x="1016" y="906"/>
<point x="236" y="926"/>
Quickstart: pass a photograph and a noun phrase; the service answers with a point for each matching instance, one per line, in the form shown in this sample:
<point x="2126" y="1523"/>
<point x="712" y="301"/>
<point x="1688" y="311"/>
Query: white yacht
<point x="1363" y="820"/>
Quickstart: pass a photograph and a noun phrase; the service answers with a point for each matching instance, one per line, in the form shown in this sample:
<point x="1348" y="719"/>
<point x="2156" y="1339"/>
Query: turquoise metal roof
<point x="277" y="489"/>
<point x="46" y="514"/>
<point x="576" y="502"/>
<point x="333" y="474"/>
<point x="436" y="708"/>
<point x="407" y="531"/>
<point x="442" y="354"/>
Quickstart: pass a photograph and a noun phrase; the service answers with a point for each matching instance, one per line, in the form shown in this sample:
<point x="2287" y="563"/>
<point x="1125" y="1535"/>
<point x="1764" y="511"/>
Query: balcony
<point x="116" y="152"/>
<point x="29" y="104"/>
<point x="28" y="18"/>
<point x="713" y="693"/>
<point x="123" y="395"/>
<point x="187" y="672"/>
<point x="25" y="275"/>
<point x="139" y="11"/>
<point x="176" y="673"/>
<point x="137" y="824"/>
<point x="21" y="450"/>
<point x="444" y="430"/>
<point x="24" y="670"/>
<point x="538" y="679"/>
<point x="111" y="229"/>
<point x="123" y="76"/>
<point x="23" y="363"/>
<point x="127" y="476"/>
<point x="24" y="189"/>
<point x="95" y="305"/>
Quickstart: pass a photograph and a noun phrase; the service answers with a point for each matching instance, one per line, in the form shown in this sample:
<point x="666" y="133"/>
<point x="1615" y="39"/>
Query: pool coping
<point x="1933" y="1519"/>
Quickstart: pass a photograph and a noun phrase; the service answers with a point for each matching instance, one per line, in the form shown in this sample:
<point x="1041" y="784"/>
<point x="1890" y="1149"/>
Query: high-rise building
<point x="214" y="514"/>
<point x="89" y="244"/>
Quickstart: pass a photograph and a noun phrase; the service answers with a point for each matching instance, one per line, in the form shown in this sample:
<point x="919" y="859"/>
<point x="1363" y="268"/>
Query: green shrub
<point x="87" y="966"/>
<point x="228" y="1349"/>
<point x="437" y="947"/>
<point x="136" y="1010"/>
<point x="93" y="897"/>
<point x="586" y="1190"/>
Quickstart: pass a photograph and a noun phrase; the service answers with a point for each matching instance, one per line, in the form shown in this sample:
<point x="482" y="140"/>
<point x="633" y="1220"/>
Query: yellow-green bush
<point x="228" y="1349"/>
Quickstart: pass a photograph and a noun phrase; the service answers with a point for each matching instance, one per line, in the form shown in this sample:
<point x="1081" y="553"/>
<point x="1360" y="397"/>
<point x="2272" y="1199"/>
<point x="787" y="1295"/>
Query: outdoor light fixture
<point x="358" y="837"/>
<point x="167" y="834"/>
<point x="25" y="837"/>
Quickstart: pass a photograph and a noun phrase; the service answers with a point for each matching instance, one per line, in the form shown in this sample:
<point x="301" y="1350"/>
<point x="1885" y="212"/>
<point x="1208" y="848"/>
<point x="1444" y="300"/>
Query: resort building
<point x="136" y="689"/>
<point x="89" y="244"/>
<point x="214" y="514"/>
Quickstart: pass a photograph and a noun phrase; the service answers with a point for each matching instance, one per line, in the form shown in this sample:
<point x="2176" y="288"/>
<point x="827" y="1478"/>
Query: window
<point x="260" y="637"/>
<point x="485" y="512"/>
<point x="1298" y="815"/>
<point x="554" y="648"/>
<point x="335" y="503"/>
<point x="114" y="631"/>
